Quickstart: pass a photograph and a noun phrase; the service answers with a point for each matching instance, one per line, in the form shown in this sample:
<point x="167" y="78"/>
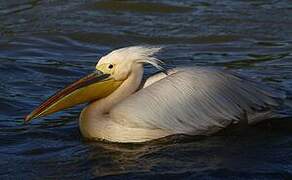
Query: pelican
<point x="187" y="100"/>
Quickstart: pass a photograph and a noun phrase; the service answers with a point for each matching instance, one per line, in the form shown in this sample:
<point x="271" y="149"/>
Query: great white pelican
<point x="193" y="100"/>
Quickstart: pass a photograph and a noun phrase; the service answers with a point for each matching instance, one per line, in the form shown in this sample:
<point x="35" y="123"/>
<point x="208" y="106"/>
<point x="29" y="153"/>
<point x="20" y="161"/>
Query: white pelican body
<point x="193" y="100"/>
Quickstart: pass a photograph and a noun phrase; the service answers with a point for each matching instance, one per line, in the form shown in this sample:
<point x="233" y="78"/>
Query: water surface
<point x="47" y="44"/>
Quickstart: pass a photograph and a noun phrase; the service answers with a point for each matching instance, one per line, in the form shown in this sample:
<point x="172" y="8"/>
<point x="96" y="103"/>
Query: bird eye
<point x="110" y="66"/>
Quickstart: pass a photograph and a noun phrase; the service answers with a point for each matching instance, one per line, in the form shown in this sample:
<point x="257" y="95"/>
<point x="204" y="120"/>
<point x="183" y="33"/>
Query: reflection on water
<point x="47" y="44"/>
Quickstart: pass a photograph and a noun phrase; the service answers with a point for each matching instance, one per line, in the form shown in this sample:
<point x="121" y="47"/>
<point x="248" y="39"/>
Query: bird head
<point x="111" y="71"/>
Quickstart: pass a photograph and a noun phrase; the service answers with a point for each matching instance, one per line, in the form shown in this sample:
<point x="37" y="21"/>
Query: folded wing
<point x="197" y="100"/>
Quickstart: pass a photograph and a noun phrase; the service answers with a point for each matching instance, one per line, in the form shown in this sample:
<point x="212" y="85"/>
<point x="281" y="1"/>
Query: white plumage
<point x="191" y="100"/>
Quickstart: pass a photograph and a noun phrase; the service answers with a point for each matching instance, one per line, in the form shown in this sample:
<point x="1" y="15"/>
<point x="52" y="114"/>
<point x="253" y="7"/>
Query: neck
<point x="128" y="87"/>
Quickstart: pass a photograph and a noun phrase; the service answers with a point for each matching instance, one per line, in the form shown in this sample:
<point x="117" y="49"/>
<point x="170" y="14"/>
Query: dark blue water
<point x="47" y="44"/>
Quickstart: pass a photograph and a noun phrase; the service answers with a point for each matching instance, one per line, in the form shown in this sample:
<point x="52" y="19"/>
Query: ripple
<point x="111" y="39"/>
<point x="142" y="7"/>
<point x="18" y="7"/>
<point x="272" y="44"/>
<point x="255" y="59"/>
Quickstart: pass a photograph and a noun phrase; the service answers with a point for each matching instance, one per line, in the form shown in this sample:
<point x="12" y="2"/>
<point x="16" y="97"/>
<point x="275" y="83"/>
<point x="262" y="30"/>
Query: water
<point x="47" y="44"/>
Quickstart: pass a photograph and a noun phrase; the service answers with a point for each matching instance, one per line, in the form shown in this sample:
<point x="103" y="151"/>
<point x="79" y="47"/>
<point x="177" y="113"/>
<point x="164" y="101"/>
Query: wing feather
<point x="195" y="100"/>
